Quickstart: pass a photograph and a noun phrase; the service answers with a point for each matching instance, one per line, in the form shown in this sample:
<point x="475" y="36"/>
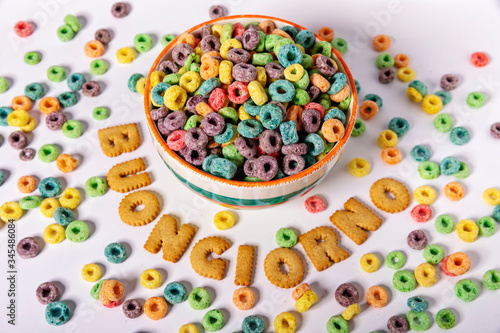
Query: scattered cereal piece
<point x="199" y="299"/>
<point x="404" y="281"/>
<point x="466" y="290"/>
<point x="47" y="293"/>
<point x="155" y="308"/>
<point x="370" y="263"/>
<point x="213" y="320"/>
<point x="151" y="279"/>
<point x="91" y="272"/>
<point x="479" y="59"/>
<point x="115" y="253"/>
<point x="224" y="220"/>
<point x="28" y="248"/>
<point x="377" y="297"/>
<point x="446" y="319"/>
<point x="175" y="292"/>
<point x="314" y="204"/>
<point x="57" y="313"/>
<point x="359" y="167"/>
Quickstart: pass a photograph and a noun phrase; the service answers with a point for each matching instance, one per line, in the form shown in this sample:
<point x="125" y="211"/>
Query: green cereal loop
<point x="476" y="99"/>
<point x="307" y="61"/>
<point x="337" y="324"/>
<point x="322" y="47"/>
<point x="433" y="254"/>
<point x="172" y="79"/>
<point x="463" y="172"/>
<point x="384" y="60"/>
<point x="189" y="60"/>
<point x="72" y="129"/>
<point x="443" y="123"/>
<point x="286" y="237"/>
<point x="96" y="289"/>
<point x="261" y="59"/>
<point x="166" y="39"/>
<point x="270" y="41"/>
<point x="30" y="202"/>
<point x="428" y="170"/>
<point x="199" y="299"/>
<point x="303" y="82"/>
<point x="32" y="58"/>
<point x="444" y="224"/>
<point x="230" y="114"/>
<point x="98" y="67"/>
<point x="404" y="281"/>
<point x="487" y="226"/>
<point x="227" y="32"/>
<point x="56" y="73"/>
<point x="252" y="23"/>
<point x="77" y="231"/>
<point x="48" y="153"/>
<point x="446" y="319"/>
<point x="359" y="128"/>
<point x="193" y="121"/>
<point x="262" y="42"/>
<point x="72" y="22"/>
<point x="65" y="33"/>
<point x="301" y="97"/>
<point x="252" y="179"/>
<point x="395" y="260"/>
<point x="231" y="153"/>
<point x="4" y="85"/>
<point x="195" y="67"/>
<point x="344" y="105"/>
<point x="143" y="42"/>
<point x="280" y="43"/>
<point x="95" y="186"/>
<point x="418" y="321"/>
<point x="100" y="113"/>
<point x="324" y="100"/>
<point x="213" y="320"/>
<point x="314" y="71"/>
<point x="339" y="44"/>
<point x="491" y="279"/>
<point x="466" y="290"/>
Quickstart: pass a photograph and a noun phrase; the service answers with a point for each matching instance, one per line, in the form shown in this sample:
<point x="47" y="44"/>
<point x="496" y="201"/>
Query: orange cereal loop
<point x="209" y="55"/>
<point x="22" y="103"/>
<point x="368" y="109"/>
<point x="320" y="81"/>
<point x="66" y="163"/>
<point x="326" y="33"/>
<point x="94" y="49"/>
<point x="381" y="42"/>
<point x="332" y="130"/>
<point x="281" y="33"/>
<point x="341" y="95"/>
<point x="314" y="57"/>
<point x="187" y="39"/>
<point x="243" y="298"/>
<point x="203" y="109"/>
<point x="267" y="26"/>
<point x="155" y="308"/>
<point x="454" y="191"/>
<point x="377" y="297"/>
<point x="401" y="60"/>
<point x="48" y="105"/>
<point x="27" y="184"/>
<point x="458" y="263"/>
<point x="300" y="291"/>
<point x="112" y="290"/>
<point x="209" y="68"/>
<point x="391" y="155"/>
<point x="294" y="113"/>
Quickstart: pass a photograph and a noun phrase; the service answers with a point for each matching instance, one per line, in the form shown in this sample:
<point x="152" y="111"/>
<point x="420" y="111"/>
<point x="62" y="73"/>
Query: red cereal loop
<point x="175" y="140"/>
<point x="238" y="29"/>
<point x="237" y="92"/>
<point x="217" y="99"/>
<point x="316" y="106"/>
<point x="23" y="28"/>
<point x="444" y="268"/>
<point x="314" y="204"/>
<point x="421" y="213"/>
<point x="479" y="59"/>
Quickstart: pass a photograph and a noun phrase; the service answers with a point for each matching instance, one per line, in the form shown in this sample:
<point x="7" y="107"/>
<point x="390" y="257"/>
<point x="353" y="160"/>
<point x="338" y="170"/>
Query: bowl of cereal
<point x="250" y="111"/>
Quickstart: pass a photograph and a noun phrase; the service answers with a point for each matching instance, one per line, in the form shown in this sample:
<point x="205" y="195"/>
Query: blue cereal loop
<point x="400" y="126"/>
<point x="251" y="108"/>
<point x="175" y="292"/>
<point x="335" y="113"/>
<point x="496" y="213"/>
<point x="449" y="166"/>
<point x="64" y="216"/>
<point x="309" y="159"/>
<point x="205" y="166"/>
<point x="225" y="136"/>
<point x="419" y="86"/>
<point x="221" y="167"/>
<point x="57" y="313"/>
<point x="445" y="96"/>
<point x="34" y="91"/>
<point x="289" y="54"/>
<point x="156" y="93"/>
<point x="252" y="324"/>
<point x="337" y="82"/>
<point x="305" y="38"/>
<point x="115" y="253"/>
<point x="374" y="98"/>
<point x="459" y="136"/>
<point x="270" y="116"/>
<point x="76" y="80"/>
<point x="49" y="187"/>
<point x="4" y="113"/>
<point x="315" y="144"/>
<point x="67" y="99"/>
<point x="420" y="153"/>
<point x="209" y="85"/>
<point x="286" y="96"/>
<point x="288" y="132"/>
<point x="417" y="304"/>
<point x="132" y="81"/>
<point x="250" y="128"/>
<point x="290" y="30"/>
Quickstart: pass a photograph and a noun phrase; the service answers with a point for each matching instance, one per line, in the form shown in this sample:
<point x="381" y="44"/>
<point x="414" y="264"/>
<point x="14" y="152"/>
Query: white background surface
<point x="439" y="37"/>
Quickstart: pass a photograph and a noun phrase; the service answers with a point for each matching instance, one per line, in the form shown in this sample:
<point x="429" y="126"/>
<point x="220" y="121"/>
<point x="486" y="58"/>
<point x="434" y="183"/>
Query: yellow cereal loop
<point x="257" y="93"/>
<point x="70" y="198"/>
<point x="285" y="322"/>
<point x="10" y="211"/>
<point x="425" y="274"/>
<point x="467" y="230"/>
<point x="49" y="206"/>
<point x="301" y="48"/>
<point x="228" y="45"/>
<point x="91" y="272"/>
<point x="225" y="72"/>
<point x="188" y="328"/>
<point x="18" y="118"/>
<point x="294" y="72"/>
<point x="352" y="311"/>
<point x="491" y="196"/>
<point x="243" y="115"/>
<point x="432" y="104"/>
<point x="424" y="195"/>
<point x="306" y="301"/>
<point x="320" y="156"/>
<point x="370" y="263"/>
<point x="261" y="75"/>
<point x="386" y="139"/>
<point x="217" y="30"/>
<point x="156" y="77"/>
<point x="198" y="50"/>
<point x="190" y="81"/>
<point x="125" y="55"/>
<point x="29" y="127"/>
<point x="406" y="74"/>
<point x="140" y="86"/>
<point x="151" y="279"/>
<point x="175" y="97"/>
<point x="182" y="70"/>
<point x="414" y="95"/>
<point x="359" y="167"/>
<point x="224" y="220"/>
<point x="54" y="233"/>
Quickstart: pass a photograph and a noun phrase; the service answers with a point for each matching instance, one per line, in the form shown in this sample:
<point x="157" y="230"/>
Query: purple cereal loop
<point x="205" y="31"/>
<point x="27" y="154"/>
<point x="239" y="38"/>
<point x="266" y="167"/>
<point x="47" y="293"/>
<point x="181" y="52"/>
<point x="313" y="92"/>
<point x="219" y="59"/>
<point x="161" y="112"/>
<point x="132" y="308"/>
<point x="28" y="248"/>
<point x="238" y="56"/>
<point x="195" y="138"/>
<point x="246" y="147"/>
<point x="253" y="27"/>
<point x="194" y="156"/>
<point x="311" y="120"/>
<point x="495" y="130"/>
<point x="244" y="72"/>
<point x="168" y="67"/>
<point x="119" y="9"/>
<point x="325" y="66"/>
<point x="397" y="324"/>
<point x="213" y="124"/>
<point x="18" y="140"/>
<point x="55" y="120"/>
<point x="249" y="167"/>
<point x="417" y="240"/>
<point x="295" y="148"/>
<point x="175" y="120"/>
<point x="91" y="89"/>
<point x="250" y="39"/>
<point x="103" y="36"/>
<point x="193" y="101"/>
<point x="281" y="106"/>
<point x="216" y="12"/>
<point x="293" y="164"/>
<point x="210" y="43"/>
<point x="449" y="82"/>
<point x="386" y="75"/>
<point x="274" y="71"/>
<point x="346" y="294"/>
<point x="162" y="128"/>
<point x="270" y="141"/>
